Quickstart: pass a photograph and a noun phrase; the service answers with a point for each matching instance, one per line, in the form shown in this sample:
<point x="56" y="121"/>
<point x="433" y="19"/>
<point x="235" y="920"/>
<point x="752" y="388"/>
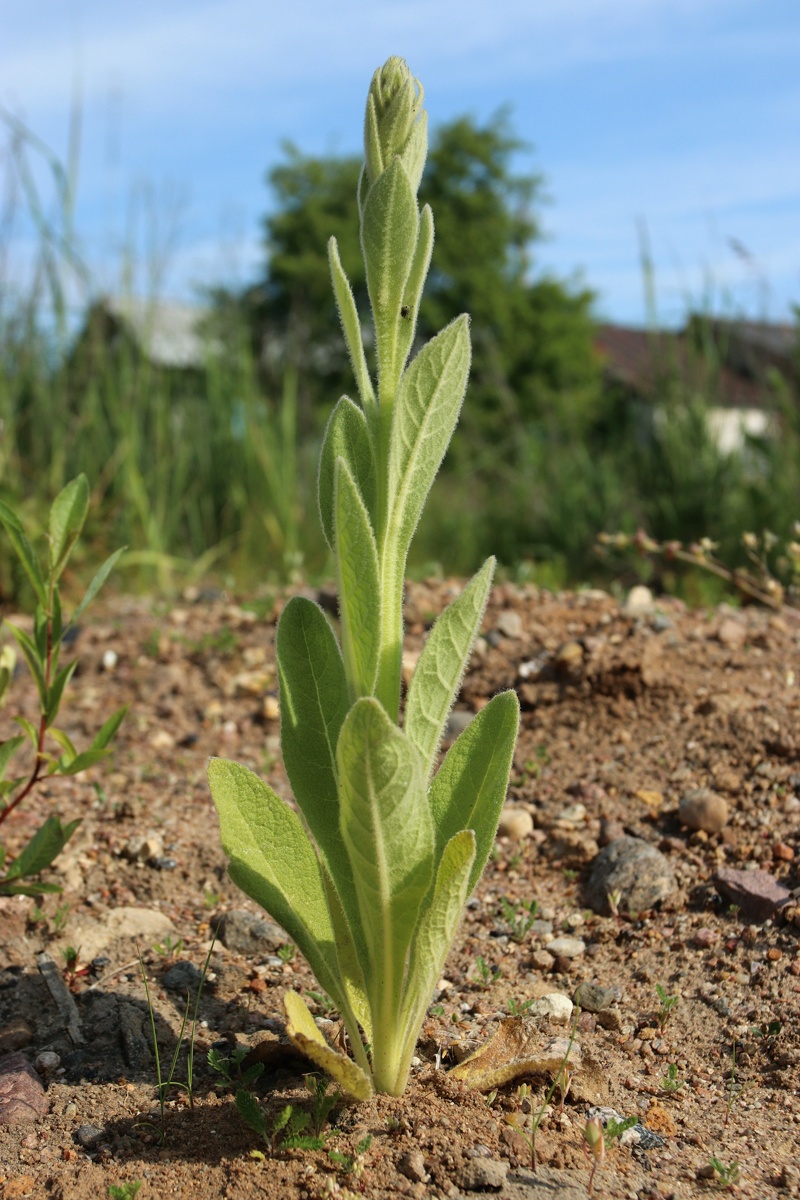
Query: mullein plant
<point x="370" y="878"/>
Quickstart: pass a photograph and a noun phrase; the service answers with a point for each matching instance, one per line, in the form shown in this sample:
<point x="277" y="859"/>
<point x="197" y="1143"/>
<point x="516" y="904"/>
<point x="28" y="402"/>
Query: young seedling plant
<point x="41" y="650"/>
<point x="370" y="878"/>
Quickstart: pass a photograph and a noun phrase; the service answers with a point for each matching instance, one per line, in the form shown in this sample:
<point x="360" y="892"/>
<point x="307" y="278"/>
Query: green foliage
<point x="668" y="1004"/>
<point x="229" y="1068"/>
<point x="670" y="1083"/>
<point x="41" y="650"/>
<point x="727" y="1176"/>
<point x="519" y="917"/>
<point x="370" y="882"/>
<point x="124" y="1191"/>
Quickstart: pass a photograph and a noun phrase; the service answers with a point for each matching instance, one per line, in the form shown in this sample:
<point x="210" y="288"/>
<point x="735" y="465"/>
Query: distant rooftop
<point x="169" y="333"/>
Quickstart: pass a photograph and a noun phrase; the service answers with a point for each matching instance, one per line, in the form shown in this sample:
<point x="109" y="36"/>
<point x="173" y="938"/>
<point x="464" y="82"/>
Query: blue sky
<point x="678" y="116"/>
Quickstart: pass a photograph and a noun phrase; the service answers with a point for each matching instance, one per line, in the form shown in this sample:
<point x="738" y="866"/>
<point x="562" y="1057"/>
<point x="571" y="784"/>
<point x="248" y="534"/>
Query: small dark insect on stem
<point x="405" y="311"/>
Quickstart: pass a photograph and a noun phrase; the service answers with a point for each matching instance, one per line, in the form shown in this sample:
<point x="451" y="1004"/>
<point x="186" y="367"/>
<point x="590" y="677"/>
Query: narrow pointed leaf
<point x="469" y="788"/>
<point x="425" y="415"/>
<point x="81" y="762"/>
<point x="67" y="516"/>
<point x="346" y="437"/>
<point x="351" y="326"/>
<point x="65" y="742"/>
<point x="108" y="729"/>
<point x="412" y="295"/>
<point x="304" y="1034"/>
<point x="7" y="751"/>
<point x="28" y="648"/>
<point x="273" y="860"/>
<point x="441" y="667"/>
<point x="45" y="845"/>
<point x="97" y="582"/>
<point x="31" y="731"/>
<point x="359" y="584"/>
<point x="24" y="551"/>
<point x="388" y="830"/>
<point x="56" y="691"/>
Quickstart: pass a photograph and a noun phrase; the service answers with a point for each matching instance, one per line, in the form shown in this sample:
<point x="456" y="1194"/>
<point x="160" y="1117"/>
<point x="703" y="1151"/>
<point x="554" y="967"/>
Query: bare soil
<point x="622" y="715"/>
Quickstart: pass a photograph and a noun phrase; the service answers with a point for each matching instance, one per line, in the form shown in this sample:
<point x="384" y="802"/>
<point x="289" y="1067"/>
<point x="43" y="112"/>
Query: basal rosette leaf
<point x="469" y="788"/>
<point x="426" y="411"/>
<point x="437" y="678"/>
<point x="346" y="437"/>
<point x="435" y="932"/>
<point x="388" y="831"/>
<point x="304" y="1034"/>
<point x="273" y="860"/>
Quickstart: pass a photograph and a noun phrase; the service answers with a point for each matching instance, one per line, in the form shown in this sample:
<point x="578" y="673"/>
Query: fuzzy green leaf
<point x="388" y="831"/>
<point x="67" y="516"/>
<point x="346" y="437"/>
<point x="436" y="929"/>
<point x="389" y="230"/>
<point x="314" y="704"/>
<point x="441" y="667"/>
<point x="351" y="326"/>
<point x="416" y="281"/>
<point x="359" y="584"/>
<point x="304" y="1034"/>
<point x="274" y="862"/>
<point x="470" y="786"/>
<point x="426" y="411"/>
<point x="24" y="551"/>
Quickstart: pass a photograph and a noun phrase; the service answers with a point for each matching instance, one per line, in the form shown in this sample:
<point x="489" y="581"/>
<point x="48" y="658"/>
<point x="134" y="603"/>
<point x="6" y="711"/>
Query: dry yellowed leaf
<point x="515" y="1050"/>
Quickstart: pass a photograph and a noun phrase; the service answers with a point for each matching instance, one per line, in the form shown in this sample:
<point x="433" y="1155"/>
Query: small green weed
<point x="288" y="1130"/>
<point x="124" y="1191"/>
<point x="352" y="1164"/>
<point x="670" y="1083"/>
<point x="519" y="917"/>
<point x="727" y="1176"/>
<point x="287" y="952"/>
<point x="229" y="1068"/>
<point x="668" y="1004"/>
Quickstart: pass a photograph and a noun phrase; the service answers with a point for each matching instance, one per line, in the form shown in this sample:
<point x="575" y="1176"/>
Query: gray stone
<point x="555" y="1006"/>
<point x="593" y="998"/>
<point x="246" y="933"/>
<point x="22" y="1096"/>
<point x="183" y="977"/>
<point x="566" y="947"/>
<point x="482" y="1175"/>
<point x="509" y="623"/>
<point x="88" y="1136"/>
<point x="635" y="869"/>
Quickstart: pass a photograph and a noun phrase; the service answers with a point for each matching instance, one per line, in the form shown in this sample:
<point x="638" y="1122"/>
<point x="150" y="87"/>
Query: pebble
<point x="781" y="852"/>
<point x="412" y="1165"/>
<point x="482" y="1175"/>
<point x="246" y="933"/>
<point x="757" y="893"/>
<point x="22" y="1097"/>
<point x="635" y="869"/>
<point x="732" y="633"/>
<point x="47" y="1063"/>
<point x="515" y="823"/>
<point x="555" y="1006"/>
<point x="88" y="1135"/>
<point x="542" y="960"/>
<point x="704" y="810"/>
<point x="143" y="847"/>
<point x="509" y="623"/>
<point x="110" y="660"/>
<point x="567" y="947"/>
<point x="638" y="602"/>
<point x="593" y="998"/>
<point x="574" y="815"/>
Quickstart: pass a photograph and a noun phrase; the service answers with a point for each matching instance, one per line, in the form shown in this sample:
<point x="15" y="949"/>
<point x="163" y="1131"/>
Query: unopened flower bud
<point x="396" y="124"/>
